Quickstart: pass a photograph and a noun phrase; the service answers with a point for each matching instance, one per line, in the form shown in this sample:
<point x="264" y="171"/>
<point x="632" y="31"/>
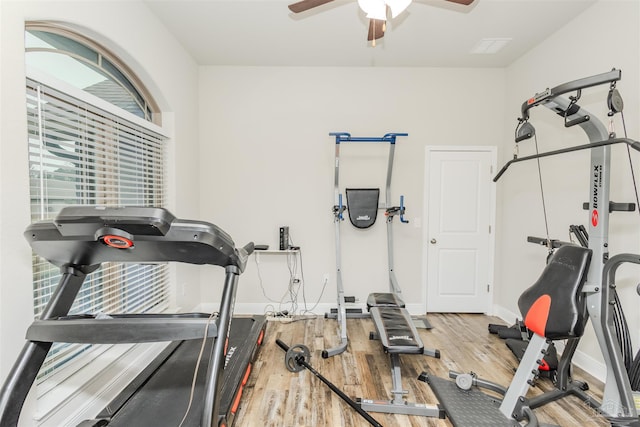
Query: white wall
<point x="267" y="160"/>
<point x="603" y="37"/>
<point x="251" y="152"/>
<point x="133" y="33"/>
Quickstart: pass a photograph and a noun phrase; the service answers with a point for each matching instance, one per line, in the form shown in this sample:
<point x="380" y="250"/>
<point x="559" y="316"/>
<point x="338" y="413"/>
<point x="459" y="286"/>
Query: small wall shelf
<point x="294" y="252"/>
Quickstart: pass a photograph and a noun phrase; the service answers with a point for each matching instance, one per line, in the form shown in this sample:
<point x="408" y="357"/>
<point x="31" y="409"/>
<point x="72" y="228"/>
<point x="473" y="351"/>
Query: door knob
<point x="434" y="241"/>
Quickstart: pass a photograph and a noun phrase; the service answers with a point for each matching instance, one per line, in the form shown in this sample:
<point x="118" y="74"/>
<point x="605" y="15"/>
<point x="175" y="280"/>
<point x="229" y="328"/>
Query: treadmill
<point x="78" y="241"/>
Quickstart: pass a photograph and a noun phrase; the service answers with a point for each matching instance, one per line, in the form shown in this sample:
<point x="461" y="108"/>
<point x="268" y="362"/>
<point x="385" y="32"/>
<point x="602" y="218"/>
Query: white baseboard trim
<point x="507" y="316"/>
<point x="580" y="358"/>
<point x="263" y="308"/>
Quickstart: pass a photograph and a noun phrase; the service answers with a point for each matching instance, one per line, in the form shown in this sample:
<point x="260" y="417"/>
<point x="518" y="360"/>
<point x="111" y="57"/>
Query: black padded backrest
<point x="553" y="307"/>
<point x="362" y="204"/>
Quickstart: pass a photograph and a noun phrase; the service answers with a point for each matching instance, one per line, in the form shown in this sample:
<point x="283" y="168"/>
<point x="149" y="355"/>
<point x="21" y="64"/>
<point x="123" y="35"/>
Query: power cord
<point x="197" y="367"/>
<point x="287" y="306"/>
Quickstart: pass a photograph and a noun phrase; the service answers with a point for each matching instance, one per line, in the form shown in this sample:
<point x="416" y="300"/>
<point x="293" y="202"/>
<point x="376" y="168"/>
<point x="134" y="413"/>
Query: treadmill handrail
<point x="126" y="329"/>
<point x="78" y="237"/>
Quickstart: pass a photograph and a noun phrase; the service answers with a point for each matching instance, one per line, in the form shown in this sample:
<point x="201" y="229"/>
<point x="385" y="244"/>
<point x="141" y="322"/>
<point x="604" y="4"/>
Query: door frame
<point x="493" y="151"/>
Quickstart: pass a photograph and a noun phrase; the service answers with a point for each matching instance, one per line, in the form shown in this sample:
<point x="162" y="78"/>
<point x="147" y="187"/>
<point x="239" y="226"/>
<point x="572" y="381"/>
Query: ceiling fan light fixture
<point x="375" y="9"/>
<point x="397" y="6"/>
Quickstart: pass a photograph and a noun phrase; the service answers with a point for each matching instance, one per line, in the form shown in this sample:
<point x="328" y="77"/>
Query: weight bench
<point x="398" y="335"/>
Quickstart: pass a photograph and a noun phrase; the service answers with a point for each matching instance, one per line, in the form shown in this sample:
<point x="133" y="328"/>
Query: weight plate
<point x="296" y="353"/>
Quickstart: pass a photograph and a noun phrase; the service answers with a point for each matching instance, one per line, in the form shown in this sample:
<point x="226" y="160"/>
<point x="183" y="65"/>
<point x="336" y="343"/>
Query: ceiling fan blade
<point x="303" y="5"/>
<point x="376" y="29"/>
<point x="464" y="2"/>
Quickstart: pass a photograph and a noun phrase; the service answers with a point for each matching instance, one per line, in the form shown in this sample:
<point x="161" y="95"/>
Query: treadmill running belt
<point x="163" y="397"/>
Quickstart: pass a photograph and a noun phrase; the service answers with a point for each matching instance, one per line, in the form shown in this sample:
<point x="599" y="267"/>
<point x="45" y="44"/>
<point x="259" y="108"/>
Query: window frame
<point x="57" y="28"/>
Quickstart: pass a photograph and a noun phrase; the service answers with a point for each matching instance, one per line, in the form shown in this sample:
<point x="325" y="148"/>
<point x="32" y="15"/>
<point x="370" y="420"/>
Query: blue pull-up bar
<point x="346" y="137"/>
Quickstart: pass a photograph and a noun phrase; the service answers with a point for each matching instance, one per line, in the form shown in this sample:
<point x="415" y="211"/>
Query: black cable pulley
<point x="525" y="131"/>
<point x="614" y="102"/>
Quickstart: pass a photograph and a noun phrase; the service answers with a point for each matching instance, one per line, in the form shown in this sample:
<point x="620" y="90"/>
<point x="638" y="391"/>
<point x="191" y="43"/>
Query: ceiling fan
<point x="376" y="11"/>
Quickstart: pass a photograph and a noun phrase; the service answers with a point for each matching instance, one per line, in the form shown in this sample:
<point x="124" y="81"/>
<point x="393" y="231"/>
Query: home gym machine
<point x="563" y="299"/>
<point x="78" y="241"/>
<point x="394" y="327"/>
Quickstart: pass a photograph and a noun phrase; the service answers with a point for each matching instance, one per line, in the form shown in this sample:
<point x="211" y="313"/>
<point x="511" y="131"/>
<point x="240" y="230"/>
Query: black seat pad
<point x="384" y="299"/>
<point x="396" y="330"/>
<point x="553" y="307"/>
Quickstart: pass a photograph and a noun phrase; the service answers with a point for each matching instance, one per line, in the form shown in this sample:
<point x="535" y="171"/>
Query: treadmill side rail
<point x="121" y="330"/>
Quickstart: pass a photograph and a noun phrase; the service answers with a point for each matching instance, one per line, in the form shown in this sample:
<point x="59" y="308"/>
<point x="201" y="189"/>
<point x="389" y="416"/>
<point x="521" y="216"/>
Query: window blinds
<point x="83" y="155"/>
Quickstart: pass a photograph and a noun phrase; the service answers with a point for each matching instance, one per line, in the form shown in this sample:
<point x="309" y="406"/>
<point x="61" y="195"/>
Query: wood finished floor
<point x="276" y="397"/>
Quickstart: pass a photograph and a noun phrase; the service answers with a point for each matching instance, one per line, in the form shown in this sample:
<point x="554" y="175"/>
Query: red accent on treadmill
<point x="538" y="315"/>
<point x="594" y="218"/>
<point x="236" y="401"/>
<point x="246" y="375"/>
<point x="261" y="337"/>
<point x="117" y="242"/>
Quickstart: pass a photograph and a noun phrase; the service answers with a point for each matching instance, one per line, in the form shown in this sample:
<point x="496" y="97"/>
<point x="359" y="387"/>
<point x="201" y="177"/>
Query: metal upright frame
<point x="342" y="313"/>
<point x="618" y="398"/>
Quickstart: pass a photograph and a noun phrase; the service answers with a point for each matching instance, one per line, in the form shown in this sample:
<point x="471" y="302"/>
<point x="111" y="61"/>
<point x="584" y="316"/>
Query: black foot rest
<point x="467" y="408"/>
<point x="396" y="330"/>
<point x="380" y="299"/>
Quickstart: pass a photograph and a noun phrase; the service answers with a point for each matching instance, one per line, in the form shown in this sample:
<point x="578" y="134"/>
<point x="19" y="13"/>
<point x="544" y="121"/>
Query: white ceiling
<point x="431" y="33"/>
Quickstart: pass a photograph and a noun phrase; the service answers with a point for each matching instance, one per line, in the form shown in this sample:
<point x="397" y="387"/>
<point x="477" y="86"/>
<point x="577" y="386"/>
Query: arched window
<point x="93" y="139"/>
<point x="84" y="64"/>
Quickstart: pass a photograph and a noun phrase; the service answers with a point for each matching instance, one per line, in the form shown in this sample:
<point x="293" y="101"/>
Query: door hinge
<point x="488" y="288"/>
<point x="489" y="229"/>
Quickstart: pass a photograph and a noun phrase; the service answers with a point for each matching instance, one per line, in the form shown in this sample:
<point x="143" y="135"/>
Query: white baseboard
<point x="508" y="316"/>
<point x="262" y="308"/>
<point x="580" y="358"/>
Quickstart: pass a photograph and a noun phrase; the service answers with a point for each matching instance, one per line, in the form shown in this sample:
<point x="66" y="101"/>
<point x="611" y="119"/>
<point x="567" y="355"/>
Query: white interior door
<point x="459" y="239"/>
